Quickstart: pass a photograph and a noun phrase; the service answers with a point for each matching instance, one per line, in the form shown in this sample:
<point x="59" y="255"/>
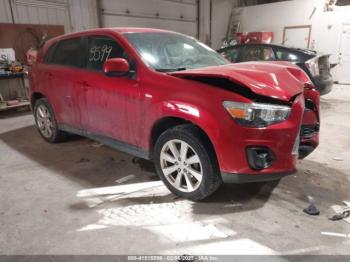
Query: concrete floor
<point x="80" y="197"/>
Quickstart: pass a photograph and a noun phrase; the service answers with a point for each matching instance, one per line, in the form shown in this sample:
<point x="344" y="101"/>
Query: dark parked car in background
<point x="316" y="65"/>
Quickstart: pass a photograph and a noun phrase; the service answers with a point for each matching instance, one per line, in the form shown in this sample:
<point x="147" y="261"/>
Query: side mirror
<point x="116" y="67"/>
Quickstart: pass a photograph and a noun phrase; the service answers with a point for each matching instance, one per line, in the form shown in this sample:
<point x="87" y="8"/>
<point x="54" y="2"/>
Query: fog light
<point x="260" y="157"/>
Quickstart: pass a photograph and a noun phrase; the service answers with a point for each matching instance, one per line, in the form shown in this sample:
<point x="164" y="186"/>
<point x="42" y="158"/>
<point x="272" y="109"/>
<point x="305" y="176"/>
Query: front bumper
<point x="232" y="148"/>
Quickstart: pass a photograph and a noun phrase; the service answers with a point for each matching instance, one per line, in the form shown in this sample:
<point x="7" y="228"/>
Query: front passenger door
<point x="109" y="105"/>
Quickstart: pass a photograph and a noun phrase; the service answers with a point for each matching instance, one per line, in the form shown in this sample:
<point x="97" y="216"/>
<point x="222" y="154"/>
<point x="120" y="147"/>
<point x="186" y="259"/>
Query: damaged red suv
<point x="165" y="96"/>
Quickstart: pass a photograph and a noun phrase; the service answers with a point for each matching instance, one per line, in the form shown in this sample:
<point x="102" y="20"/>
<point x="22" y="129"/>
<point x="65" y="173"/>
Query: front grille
<point x="309" y="130"/>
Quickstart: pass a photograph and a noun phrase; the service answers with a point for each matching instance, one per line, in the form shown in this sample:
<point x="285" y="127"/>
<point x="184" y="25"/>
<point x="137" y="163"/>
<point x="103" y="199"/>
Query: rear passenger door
<point x="63" y="67"/>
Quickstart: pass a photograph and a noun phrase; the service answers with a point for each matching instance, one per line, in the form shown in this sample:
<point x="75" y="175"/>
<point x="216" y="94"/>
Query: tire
<point x="195" y="179"/>
<point x="46" y="122"/>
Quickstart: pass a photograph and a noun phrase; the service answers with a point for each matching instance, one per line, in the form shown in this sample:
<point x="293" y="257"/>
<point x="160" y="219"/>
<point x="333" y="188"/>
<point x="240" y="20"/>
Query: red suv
<point x="165" y="96"/>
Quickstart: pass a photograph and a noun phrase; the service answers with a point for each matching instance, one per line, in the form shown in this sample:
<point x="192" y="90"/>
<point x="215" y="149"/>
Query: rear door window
<point x="68" y="52"/>
<point x="232" y="54"/>
<point x="101" y="48"/>
<point x="259" y="53"/>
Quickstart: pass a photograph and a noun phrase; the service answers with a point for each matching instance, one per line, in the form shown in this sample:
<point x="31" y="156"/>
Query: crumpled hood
<point x="277" y="80"/>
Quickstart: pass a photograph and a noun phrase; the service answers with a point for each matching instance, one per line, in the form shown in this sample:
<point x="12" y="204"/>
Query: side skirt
<point x="116" y="144"/>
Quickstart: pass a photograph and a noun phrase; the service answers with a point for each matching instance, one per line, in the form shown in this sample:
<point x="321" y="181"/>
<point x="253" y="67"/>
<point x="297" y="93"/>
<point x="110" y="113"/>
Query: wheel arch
<point x="34" y="97"/>
<point x="165" y="123"/>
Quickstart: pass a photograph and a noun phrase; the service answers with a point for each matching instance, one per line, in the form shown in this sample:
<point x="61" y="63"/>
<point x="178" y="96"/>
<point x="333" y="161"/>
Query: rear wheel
<point x="46" y="122"/>
<point x="186" y="163"/>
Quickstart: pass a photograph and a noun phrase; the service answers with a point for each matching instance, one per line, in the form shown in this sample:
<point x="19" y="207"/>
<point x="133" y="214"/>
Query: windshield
<point x="173" y="52"/>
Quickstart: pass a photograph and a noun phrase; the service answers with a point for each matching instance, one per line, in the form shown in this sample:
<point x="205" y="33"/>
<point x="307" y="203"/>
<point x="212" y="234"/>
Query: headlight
<point x="257" y="114"/>
<point x="313" y="67"/>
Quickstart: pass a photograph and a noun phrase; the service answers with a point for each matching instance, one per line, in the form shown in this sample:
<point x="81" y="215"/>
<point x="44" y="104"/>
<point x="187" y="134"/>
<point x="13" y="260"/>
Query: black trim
<point x="308" y="131"/>
<point x="252" y="157"/>
<point x="305" y="150"/>
<point x="116" y="144"/>
<point x="245" y="178"/>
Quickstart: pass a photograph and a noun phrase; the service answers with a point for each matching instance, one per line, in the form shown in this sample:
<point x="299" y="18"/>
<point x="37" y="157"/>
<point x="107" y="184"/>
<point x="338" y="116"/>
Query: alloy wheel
<point x="44" y="121"/>
<point x="181" y="165"/>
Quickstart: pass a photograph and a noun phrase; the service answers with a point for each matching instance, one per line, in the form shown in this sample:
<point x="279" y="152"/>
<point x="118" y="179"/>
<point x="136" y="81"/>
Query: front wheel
<point x="186" y="163"/>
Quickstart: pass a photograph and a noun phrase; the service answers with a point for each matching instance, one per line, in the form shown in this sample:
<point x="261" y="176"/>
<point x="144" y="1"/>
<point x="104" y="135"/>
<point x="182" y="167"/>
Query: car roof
<point x="120" y="30"/>
<point x="260" y="44"/>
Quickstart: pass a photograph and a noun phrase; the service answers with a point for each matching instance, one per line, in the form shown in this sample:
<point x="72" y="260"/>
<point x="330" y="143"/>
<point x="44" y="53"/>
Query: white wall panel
<point x="174" y="15"/>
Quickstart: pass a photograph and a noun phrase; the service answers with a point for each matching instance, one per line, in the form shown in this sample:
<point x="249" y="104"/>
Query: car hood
<point x="277" y="80"/>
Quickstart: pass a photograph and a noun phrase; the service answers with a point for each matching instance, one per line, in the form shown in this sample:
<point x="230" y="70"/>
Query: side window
<point x="48" y="59"/>
<point x="67" y="53"/>
<point x="285" y="55"/>
<point x="259" y="53"/>
<point x="101" y="48"/>
<point x="231" y="54"/>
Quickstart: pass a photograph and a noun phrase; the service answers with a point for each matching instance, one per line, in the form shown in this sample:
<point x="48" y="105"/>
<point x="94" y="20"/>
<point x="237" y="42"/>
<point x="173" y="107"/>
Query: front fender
<point x="199" y="116"/>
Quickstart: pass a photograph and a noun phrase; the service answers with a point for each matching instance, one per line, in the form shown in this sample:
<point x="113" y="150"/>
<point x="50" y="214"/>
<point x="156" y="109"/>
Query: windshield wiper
<point x="170" y="69"/>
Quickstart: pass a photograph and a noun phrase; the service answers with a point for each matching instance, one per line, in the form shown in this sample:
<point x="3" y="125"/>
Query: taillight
<point x="313" y="67"/>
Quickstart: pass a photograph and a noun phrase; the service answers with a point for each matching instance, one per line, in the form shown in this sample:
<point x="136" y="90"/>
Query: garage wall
<point x="177" y="15"/>
<point x="41" y="12"/>
<point x="84" y="14"/>
<point x="74" y="15"/>
<point x="221" y="15"/>
<point x="5" y="12"/>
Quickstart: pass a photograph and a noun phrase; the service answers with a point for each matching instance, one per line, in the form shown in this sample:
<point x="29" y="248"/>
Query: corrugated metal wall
<point x="74" y="15"/>
<point x="177" y="15"/>
<point x="83" y="14"/>
<point x="42" y="12"/>
<point x="5" y="12"/>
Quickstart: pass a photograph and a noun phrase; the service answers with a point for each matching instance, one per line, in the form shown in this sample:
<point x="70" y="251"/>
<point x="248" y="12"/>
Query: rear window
<point x="67" y="53"/>
<point x="285" y="55"/>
